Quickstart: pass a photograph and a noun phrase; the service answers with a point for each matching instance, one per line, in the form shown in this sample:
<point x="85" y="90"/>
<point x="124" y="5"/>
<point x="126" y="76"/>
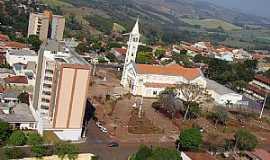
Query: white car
<point x="99" y="125"/>
<point x="104" y="130"/>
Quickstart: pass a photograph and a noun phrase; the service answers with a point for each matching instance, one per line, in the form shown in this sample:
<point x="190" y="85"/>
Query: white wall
<point x="69" y="134"/>
<point x="223" y="99"/>
<point x="12" y="59"/>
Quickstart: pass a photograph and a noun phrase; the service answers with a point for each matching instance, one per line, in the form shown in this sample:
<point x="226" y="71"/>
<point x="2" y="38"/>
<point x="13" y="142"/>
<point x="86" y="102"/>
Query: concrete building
<point x="39" y="25"/>
<point x="259" y="88"/>
<point x="221" y="94"/>
<point x="46" y="25"/>
<point x="60" y="92"/>
<point x="149" y="80"/>
<point x="20" y="56"/>
<point x="58" y="26"/>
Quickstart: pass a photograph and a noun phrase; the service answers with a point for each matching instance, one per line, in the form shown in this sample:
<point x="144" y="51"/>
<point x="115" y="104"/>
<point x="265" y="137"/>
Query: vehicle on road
<point x="113" y="144"/>
<point x="103" y="129"/>
<point x="99" y="125"/>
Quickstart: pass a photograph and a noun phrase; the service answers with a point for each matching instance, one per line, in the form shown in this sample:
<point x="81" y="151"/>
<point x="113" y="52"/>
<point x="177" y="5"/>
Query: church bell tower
<point x="133" y="44"/>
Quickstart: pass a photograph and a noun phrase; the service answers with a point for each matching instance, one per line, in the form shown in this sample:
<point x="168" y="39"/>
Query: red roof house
<point x="16" y="80"/>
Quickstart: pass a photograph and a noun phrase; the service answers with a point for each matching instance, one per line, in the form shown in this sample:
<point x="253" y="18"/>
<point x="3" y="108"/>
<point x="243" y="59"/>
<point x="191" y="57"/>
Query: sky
<point x="255" y="7"/>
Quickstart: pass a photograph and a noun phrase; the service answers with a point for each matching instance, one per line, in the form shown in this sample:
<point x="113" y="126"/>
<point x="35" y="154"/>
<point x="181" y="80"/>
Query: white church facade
<point x="149" y="80"/>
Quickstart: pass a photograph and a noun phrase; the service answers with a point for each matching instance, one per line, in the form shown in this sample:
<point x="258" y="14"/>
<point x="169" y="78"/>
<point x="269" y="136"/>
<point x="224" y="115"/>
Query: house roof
<point x="170" y="70"/>
<point x="262" y="154"/>
<point x="4" y="38"/>
<point x="16" y="79"/>
<point x="263" y="79"/>
<point x="199" y="156"/>
<point x="15" y="45"/>
<point x="218" y="88"/>
<point x="122" y="51"/>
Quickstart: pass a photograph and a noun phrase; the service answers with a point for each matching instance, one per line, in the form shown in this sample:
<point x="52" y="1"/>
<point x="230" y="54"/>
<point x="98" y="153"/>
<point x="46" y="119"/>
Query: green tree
<point x="164" y="154"/>
<point x="34" y="41"/>
<point x="34" y="139"/>
<point x="190" y="139"/>
<point x="194" y="111"/>
<point x="244" y="140"/>
<point x="17" y="138"/>
<point x="146" y="153"/>
<point x="13" y="153"/>
<point x="145" y="58"/>
<point x="24" y="98"/>
<point x="160" y="53"/>
<point x="38" y="150"/>
<point x="220" y="116"/>
<point x="4" y="131"/>
<point x="143" y="153"/>
<point x="82" y="47"/>
<point x="67" y="150"/>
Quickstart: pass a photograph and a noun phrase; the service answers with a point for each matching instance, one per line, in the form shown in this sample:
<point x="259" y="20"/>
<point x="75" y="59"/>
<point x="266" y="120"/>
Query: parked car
<point x="103" y="129"/>
<point x="113" y="144"/>
<point x="98" y="124"/>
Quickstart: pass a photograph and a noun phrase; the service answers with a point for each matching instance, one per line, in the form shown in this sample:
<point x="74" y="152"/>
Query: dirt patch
<point x="142" y="125"/>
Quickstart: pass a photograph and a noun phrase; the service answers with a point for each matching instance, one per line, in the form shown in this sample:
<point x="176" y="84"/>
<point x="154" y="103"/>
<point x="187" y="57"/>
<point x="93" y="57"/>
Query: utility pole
<point x="140" y="108"/>
<point x="264" y="102"/>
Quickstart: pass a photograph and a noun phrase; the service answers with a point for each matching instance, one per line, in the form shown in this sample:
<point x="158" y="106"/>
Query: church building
<point x="149" y="80"/>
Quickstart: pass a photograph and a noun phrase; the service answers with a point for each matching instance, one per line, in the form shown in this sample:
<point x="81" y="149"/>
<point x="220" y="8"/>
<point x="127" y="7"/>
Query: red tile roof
<point x="263" y="79"/>
<point x="121" y="51"/>
<point x="16" y="79"/>
<point x="15" y="45"/>
<point x="4" y="38"/>
<point x="199" y="156"/>
<point x="159" y="85"/>
<point x="257" y="90"/>
<point x="170" y="70"/>
<point x="262" y="154"/>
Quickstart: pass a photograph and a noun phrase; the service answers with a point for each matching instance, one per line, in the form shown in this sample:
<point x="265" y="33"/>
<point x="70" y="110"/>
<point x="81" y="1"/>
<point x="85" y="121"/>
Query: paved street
<point x="97" y="144"/>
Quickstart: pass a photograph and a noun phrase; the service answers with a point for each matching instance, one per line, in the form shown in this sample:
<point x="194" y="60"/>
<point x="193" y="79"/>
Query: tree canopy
<point x="4" y="131"/>
<point x="67" y="150"/>
<point x="17" y="138"/>
<point x="34" y="41"/>
<point x="190" y="139"/>
<point x="146" y="153"/>
<point x="145" y="58"/>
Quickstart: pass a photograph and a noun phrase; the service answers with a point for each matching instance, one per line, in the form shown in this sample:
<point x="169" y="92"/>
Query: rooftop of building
<point x="169" y="70"/>
<point x="59" y="52"/>
<point x="199" y="156"/>
<point x="6" y="70"/>
<point x="4" y="37"/>
<point x="12" y="44"/>
<point x="16" y="79"/>
<point x="22" y="52"/>
<point x="263" y="79"/>
<point x="20" y="113"/>
<point x="122" y="51"/>
<point x="218" y="88"/>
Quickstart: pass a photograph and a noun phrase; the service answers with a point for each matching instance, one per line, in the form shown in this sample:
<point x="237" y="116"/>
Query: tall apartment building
<point x="58" y="26"/>
<point x="60" y="93"/>
<point x="46" y="25"/>
<point x="39" y="25"/>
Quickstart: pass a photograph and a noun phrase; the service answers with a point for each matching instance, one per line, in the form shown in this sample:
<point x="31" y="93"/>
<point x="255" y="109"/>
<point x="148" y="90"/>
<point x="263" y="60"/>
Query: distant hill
<point x="212" y="24"/>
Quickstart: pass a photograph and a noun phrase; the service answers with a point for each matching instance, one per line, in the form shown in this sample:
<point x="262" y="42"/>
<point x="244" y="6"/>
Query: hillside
<point x="161" y="20"/>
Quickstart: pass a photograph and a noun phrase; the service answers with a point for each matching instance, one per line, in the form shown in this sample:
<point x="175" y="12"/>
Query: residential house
<point x="259" y="87"/>
<point x="221" y="94"/>
<point x="120" y="53"/>
<point x="16" y="81"/>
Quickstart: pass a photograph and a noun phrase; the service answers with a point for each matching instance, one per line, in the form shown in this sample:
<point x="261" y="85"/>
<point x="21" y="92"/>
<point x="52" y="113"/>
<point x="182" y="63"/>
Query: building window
<point x="47" y="93"/>
<point x="47" y="86"/>
<point x="45" y="100"/>
<point x="154" y="92"/>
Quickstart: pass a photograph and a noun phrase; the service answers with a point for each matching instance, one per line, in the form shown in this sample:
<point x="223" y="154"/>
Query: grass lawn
<point x="51" y="138"/>
<point x="212" y="24"/>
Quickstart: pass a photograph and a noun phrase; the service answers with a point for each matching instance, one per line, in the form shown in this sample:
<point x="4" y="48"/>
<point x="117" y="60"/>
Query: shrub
<point x="38" y="150"/>
<point x="17" y="138"/>
<point x="4" y="131"/>
<point x="190" y="139"/>
<point x="67" y="150"/>
<point x="13" y="153"/>
<point x="244" y="140"/>
<point x="34" y="139"/>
